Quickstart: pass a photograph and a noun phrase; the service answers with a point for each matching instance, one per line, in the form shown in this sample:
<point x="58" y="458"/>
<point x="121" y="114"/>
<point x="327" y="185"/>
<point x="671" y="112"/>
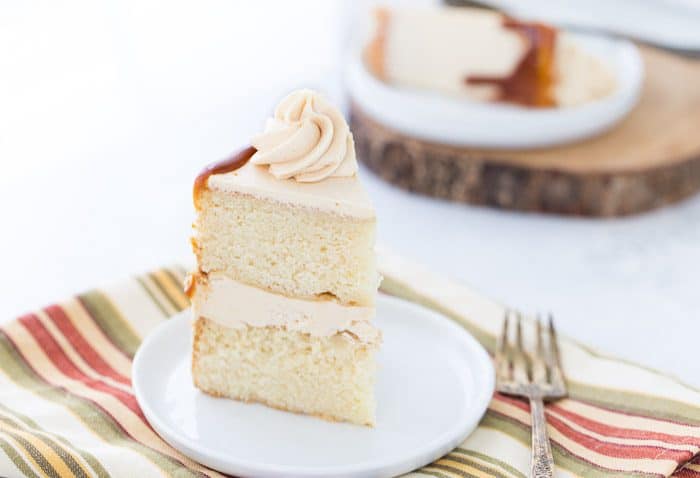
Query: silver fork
<point x="538" y="377"/>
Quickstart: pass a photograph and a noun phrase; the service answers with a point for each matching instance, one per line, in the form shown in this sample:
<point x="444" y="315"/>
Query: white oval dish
<point x="445" y="119"/>
<point x="434" y="384"/>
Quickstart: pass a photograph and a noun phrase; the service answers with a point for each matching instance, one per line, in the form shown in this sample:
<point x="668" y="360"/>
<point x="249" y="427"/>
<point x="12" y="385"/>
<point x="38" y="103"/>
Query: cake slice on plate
<point x="485" y="56"/>
<point x="284" y="293"/>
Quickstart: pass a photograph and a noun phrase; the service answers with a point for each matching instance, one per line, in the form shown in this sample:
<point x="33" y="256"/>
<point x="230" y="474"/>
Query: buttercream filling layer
<point x="237" y="305"/>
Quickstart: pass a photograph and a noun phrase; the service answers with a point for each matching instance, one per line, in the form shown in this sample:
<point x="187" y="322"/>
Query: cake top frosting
<point x="344" y="196"/>
<point x="307" y="140"/>
<point x="305" y="157"/>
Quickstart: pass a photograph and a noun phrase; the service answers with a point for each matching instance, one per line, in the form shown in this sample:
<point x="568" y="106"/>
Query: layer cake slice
<point x="485" y="56"/>
<point x="285" y="289"/>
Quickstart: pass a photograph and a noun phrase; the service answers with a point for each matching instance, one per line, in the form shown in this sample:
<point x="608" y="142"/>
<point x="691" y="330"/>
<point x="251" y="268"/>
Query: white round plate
<point x="460" y="122"/>
<point x="434" y="384"/>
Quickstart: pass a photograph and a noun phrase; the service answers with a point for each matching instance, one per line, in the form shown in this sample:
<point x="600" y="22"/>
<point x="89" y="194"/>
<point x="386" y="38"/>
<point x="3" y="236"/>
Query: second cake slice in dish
<point x="285" y="289"/>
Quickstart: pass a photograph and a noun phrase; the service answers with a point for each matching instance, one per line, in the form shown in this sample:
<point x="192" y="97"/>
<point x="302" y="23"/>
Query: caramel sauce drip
<point x="374" y="52"/>
<point x="532" y="81"/>
<point x="228" y="165"/>
<point x="189" y="286"/>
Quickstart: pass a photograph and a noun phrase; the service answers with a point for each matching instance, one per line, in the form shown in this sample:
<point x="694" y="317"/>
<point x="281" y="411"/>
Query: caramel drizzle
<point x="532" y="81"/>
<point x="374" y="52"/>
<point x="190" y="286"/>
<point x="228" y="165"/>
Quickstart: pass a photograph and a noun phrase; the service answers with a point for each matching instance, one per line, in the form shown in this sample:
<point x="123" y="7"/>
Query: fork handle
<point x="542" y="462"/>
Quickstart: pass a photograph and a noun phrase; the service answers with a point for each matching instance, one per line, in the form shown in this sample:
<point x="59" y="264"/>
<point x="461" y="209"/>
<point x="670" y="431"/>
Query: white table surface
<point x="109" y="109"/>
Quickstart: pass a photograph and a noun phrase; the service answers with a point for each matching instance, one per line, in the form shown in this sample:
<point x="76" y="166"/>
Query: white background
<point x="109" y="109"/>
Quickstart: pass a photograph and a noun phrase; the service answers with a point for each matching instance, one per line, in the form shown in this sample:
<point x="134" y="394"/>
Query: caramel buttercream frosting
<point x="307" y="139"/>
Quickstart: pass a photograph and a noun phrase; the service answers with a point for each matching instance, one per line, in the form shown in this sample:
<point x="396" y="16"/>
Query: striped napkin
<point x="67" y="408"/>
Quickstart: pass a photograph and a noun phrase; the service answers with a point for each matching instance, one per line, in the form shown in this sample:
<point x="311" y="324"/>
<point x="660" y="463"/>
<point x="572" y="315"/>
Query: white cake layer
<point x="329" y="377"/>
<point x="285" y="248"/>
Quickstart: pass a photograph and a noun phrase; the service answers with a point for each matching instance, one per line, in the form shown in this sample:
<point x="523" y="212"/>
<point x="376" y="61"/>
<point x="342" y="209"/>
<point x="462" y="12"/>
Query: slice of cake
<point x="285" y="289"/>
<point x="485" y="56"/>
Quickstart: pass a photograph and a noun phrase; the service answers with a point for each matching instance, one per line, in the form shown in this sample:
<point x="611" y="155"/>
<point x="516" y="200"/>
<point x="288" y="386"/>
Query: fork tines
<point x="538" y="372"/>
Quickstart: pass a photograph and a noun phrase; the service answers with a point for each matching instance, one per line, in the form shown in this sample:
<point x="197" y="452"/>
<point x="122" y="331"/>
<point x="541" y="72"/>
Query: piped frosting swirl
<point x="307" y="139"/>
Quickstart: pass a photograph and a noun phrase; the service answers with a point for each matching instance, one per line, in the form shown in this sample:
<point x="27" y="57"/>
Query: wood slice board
<point x="650" y="159"/>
